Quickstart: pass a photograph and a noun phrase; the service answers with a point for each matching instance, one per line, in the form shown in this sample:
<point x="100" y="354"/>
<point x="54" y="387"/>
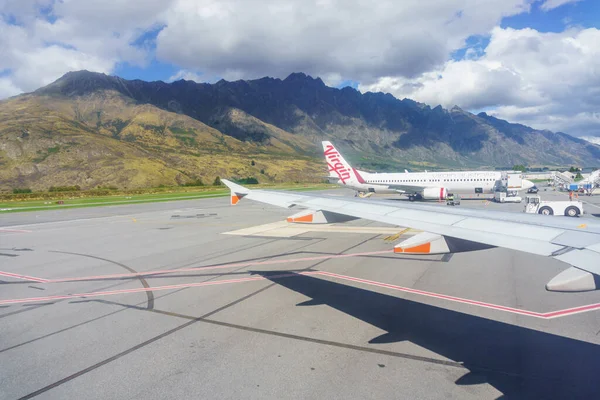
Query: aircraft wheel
<point x="572" y="211"/>
<point x="411" y="198"/>
<point x="546" y="211"/>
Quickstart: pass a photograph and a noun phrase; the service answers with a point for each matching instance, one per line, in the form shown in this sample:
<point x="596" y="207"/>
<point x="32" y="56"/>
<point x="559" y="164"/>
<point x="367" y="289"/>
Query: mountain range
<point x="92" y="129"/>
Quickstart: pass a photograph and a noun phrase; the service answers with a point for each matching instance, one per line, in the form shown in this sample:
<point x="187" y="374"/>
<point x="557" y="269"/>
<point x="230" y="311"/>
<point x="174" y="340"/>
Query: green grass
<point x="98" y="201"/>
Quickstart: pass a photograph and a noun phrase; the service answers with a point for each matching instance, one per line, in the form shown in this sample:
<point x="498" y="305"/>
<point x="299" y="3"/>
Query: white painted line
<point x="80" y="205"/>
<point x="287" y="229"/>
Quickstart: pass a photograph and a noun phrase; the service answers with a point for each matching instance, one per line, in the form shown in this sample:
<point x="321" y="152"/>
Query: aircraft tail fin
<point x="339" y="169"/>
<point x="237" y="191"/>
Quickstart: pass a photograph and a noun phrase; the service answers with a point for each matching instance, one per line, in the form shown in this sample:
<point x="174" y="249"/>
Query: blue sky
<point x="584" y="13"/>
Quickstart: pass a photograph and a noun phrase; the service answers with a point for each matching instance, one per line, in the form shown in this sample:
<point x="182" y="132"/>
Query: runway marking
<point x="14" y="230"/>
<point x="221" y="266"/>
<point x="138" y="290"/>
<point x="23" y="277"/>
<point x="286" y="229"/>
<point x="547" y="315"/>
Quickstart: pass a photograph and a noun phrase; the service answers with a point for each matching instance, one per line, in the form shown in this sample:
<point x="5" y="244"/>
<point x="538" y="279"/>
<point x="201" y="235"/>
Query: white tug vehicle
<point x="569" y="208"/>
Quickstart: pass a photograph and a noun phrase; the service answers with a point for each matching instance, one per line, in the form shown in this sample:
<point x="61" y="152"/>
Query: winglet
<point x="237" y="191"/>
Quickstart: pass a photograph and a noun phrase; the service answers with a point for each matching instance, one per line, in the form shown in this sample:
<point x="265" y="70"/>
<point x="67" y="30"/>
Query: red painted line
<point x="23" y="277"/>
<point x="547" y="315"/>
<point x="137" y="290"/>
<point x="14" y="230"/>
<point x="436" y="295"/>
<point x="221" y="266"/>
<point x="571" y="311"/>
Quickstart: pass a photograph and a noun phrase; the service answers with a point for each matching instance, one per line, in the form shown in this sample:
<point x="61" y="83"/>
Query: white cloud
<point x="552" y="4"/>
<point x="336" y="39"/>
<point x="45" y="65"/>
<point x="548" y="80"/>
<point x="592" y="139"/>
<point x="7" y="89"/>
<point x="187" y="75"/>
<point x="47" y="38"/>
<point x="355" y="39"/>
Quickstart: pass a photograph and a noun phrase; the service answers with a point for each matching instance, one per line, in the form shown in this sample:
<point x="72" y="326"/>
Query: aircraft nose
<point x="527" y="184"/>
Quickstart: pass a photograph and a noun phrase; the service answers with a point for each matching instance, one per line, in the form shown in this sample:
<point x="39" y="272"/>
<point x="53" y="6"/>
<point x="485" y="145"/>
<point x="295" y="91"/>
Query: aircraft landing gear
<point x="412" y="197"/>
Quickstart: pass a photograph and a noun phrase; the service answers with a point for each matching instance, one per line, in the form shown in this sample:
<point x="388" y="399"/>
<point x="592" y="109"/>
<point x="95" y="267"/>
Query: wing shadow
<point x="519" y="362"/>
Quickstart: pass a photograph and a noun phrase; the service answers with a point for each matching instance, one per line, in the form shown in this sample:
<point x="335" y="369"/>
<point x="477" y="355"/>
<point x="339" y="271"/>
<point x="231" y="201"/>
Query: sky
<point x="535" y="62"/>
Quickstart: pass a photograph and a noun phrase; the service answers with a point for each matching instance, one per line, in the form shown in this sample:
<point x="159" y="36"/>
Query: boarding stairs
<point x="562" y="179"/>
<point x="593" y="178"/>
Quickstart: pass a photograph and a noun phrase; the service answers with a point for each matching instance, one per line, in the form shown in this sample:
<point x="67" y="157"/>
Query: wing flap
<point x="584" y="259"/>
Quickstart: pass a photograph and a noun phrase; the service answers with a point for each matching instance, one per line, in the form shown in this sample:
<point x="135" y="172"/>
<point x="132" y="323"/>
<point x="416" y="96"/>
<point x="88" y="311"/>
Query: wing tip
<point x="237" y="192"/>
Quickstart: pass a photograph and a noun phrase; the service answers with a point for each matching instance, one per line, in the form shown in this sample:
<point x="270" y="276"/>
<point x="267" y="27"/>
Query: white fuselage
<point x="468" y="182"/>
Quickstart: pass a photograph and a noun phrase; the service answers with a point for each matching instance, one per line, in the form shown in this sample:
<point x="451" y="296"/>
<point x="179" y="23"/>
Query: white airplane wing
<point x="405" y="188"/>
<point x="574" y="241"/>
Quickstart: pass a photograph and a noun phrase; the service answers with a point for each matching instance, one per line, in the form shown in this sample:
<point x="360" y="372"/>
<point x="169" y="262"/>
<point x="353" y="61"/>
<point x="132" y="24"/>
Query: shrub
<point x="21" y="190"/>
<point x="247" y="181"/>
<point x="217" y="182"/>
<point x="197" y="182"/>
<point x="74" y="188"/>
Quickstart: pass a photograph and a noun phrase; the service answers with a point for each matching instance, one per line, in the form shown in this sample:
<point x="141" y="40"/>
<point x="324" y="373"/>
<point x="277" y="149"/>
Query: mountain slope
<point x="92" y="129"/>
<point x="104" y="138"/>
<point x="375" y="125"/>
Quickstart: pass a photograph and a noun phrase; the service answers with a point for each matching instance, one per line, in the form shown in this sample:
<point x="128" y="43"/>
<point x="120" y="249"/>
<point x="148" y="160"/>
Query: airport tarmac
<point x="235" y="303"/>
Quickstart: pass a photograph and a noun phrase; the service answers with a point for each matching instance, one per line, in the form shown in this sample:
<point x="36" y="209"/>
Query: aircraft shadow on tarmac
<point x="517" y="361"/>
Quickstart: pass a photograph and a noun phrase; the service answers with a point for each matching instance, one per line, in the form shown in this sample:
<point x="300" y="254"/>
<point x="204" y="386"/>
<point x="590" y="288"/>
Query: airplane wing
<point x="406" y="188"/>
<point x="449" y="230"/>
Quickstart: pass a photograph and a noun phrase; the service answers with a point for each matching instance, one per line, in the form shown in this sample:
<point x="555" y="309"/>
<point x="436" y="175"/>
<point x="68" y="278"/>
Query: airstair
<point x="593" y="178"/>
<point x="562" y="179"/>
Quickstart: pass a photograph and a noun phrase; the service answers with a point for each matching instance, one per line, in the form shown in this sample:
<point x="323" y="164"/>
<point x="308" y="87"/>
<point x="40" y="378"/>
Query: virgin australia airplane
<point x="418" y="185"/>
<point x="455" y="230"/>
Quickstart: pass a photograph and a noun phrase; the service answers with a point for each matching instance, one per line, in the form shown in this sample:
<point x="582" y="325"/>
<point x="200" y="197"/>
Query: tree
<point x="519" y="167"/>
<point x="253" y="163"/>
<point x="578" y="177"/>
<point x="217" y="182"/>
<point x="247" y="181"/>
<point x="196" y="182"/>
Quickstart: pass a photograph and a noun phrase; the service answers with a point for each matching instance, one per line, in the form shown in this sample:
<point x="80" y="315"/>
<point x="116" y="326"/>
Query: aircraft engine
<point x="434" y="193"/>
